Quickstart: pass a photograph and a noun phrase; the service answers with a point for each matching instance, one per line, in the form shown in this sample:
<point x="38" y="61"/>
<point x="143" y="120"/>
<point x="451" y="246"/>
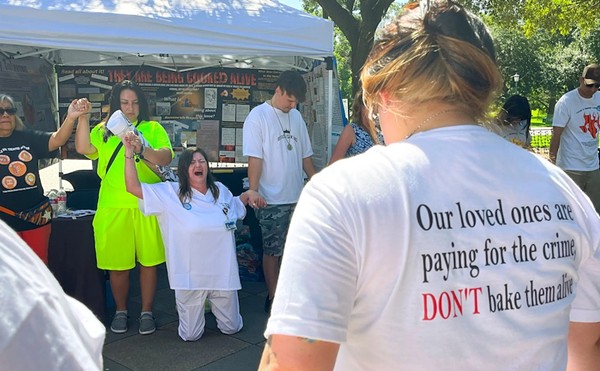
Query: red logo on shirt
<point x="591" y="123"/>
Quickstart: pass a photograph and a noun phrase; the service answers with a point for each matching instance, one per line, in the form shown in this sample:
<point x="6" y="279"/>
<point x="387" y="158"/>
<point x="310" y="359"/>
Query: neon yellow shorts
<point x="122" y="235"/>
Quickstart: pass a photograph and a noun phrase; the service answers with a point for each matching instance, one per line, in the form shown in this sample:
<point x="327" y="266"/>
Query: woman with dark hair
<point x="514" y="121"/>
<point x="197" y="218"/>
<point x="122" y="234"/>
<point x="449" y="248"/>
<point x="23" y="205"/>
<point x="359" y="135"/>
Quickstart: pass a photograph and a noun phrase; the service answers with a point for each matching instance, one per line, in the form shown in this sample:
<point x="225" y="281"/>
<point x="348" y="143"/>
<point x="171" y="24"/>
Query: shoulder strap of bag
<point x="112" y="158"/>
<point x="7" y="211"/>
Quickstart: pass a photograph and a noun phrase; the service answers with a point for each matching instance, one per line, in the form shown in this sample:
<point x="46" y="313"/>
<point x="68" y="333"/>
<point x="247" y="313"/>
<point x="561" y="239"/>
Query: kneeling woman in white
<point x="197" y="220"/>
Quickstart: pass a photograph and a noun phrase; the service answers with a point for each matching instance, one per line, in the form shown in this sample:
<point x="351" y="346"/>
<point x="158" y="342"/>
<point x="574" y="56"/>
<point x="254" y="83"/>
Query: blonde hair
<point x="19" y="126"/>
<point x="447" y="55"/>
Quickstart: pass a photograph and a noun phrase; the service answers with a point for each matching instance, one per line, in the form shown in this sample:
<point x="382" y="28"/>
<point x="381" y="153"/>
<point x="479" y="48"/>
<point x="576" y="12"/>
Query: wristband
<point x="141" y="153"/>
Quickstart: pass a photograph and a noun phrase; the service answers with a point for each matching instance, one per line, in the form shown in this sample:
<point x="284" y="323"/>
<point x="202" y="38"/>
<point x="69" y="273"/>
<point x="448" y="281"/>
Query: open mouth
<point x="199" y="173"/>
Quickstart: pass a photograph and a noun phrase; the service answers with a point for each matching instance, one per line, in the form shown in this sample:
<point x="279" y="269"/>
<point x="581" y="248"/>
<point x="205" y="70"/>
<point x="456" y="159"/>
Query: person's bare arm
<point x="346" y="139"/>
<point x="308" y="166"/>
<point x="283" y="352"/>
<point x="160" y="156"/>
<point x="254" y="172"/>
<point x="584" y="346"/>
<point x="132" y="182"/>
<point x="83" y="145"/>
<point x="555" y="142"/>
<point x="77" y="109"/>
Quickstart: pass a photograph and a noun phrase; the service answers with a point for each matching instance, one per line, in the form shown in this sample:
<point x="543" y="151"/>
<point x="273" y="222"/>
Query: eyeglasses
<point x="10" y="111"/>
<point x="597" y="86"/>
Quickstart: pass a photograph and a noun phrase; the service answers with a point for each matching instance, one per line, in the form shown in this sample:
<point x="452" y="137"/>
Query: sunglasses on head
<point x="596" y="85"/>
<point x="10" y="111"/>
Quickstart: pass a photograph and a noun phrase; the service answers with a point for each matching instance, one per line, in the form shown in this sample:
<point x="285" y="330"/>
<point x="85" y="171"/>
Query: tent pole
<point x="57" y="118"/>
<point x="330" y="64"/>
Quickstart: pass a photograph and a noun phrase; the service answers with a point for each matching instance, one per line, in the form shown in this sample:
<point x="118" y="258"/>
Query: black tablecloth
<point x="72" y="260"/>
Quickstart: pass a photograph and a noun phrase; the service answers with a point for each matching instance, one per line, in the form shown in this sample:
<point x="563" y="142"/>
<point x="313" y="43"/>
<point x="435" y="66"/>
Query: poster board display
<point x="314" y="111"/>
<point x="204" y="107"/>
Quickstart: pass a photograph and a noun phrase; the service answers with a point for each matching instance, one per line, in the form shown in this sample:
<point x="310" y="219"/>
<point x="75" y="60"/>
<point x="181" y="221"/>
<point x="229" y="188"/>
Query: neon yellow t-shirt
<point x="113" y="192"/>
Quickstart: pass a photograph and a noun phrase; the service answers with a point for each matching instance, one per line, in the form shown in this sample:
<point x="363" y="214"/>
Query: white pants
<point x="190" y="307"/>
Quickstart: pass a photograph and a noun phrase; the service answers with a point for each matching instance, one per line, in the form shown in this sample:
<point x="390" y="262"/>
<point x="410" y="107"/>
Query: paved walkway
<point x="164" y="350"/>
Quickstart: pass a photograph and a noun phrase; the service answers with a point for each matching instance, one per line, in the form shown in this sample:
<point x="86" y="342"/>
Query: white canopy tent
<point x="174" y="34"/>
<point x="177" y="35"/>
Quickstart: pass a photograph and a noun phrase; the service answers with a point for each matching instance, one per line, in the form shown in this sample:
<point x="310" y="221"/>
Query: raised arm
<point x="132" y="182"/>
<point x="283" y="352"/>
<point x="346" y="139"/>
<point x="83" y="144"/>
<point x="77" y="109"/>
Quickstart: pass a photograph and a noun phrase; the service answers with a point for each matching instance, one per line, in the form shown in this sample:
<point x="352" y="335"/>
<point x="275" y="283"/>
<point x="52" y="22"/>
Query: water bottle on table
<point x="53" y="198"/>
<point x="62" y="201"/>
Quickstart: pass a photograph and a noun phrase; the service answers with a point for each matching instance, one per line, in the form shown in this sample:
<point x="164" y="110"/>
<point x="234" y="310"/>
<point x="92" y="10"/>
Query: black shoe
<point x="268" y="303"/>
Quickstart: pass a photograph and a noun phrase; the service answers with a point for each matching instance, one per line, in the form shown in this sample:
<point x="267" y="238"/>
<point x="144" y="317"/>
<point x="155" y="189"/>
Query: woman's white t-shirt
<point x="200" y="251"/>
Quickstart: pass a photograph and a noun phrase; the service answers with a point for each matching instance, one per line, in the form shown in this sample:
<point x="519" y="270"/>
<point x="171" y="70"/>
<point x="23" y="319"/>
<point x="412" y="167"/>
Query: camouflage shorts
<point x="274" y="222"/>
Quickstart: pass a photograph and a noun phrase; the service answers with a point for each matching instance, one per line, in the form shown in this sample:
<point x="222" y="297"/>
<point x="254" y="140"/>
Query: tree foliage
<point x="548" y="64"/>
<point x="546" y="42"/>
<point x="553" y="16"/>
<point x="357" y="21"/>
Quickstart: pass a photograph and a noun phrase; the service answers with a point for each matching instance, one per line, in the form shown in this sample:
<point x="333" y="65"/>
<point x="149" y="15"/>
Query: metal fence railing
<point x="540" y="140"/>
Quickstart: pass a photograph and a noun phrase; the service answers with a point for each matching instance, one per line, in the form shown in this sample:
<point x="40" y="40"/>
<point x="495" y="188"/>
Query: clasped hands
<point x="253" y="199"/>
<point x="132" y="143"/>
<point x="78" y="108"/>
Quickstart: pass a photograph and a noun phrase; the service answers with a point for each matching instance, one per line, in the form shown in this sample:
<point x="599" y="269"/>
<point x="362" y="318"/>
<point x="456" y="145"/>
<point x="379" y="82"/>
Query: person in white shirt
<point x="197" y="219"/>
<point x="278" y="147"/>
<point x="575" y="127"/>
<point x="42" y="328"/>
<point x="435" y="252"/>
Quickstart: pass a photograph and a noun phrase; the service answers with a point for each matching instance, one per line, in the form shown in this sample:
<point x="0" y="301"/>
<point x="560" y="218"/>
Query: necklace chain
<point x="428" y="119"/>
<point x="289" y="131"/>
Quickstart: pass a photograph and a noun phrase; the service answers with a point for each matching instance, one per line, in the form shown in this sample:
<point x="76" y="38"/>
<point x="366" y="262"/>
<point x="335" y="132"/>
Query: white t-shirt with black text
<point x="461" y="251"/>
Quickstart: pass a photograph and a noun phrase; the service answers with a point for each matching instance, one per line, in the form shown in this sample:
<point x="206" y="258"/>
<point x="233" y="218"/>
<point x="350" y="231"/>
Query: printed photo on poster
<point x="210" y="98"/>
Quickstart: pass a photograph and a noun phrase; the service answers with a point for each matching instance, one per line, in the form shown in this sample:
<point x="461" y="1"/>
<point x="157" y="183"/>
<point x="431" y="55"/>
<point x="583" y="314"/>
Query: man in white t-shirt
<point x="278" y="147"/>
<point x="575" y="127"/>
<point x="42" y="328"/>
